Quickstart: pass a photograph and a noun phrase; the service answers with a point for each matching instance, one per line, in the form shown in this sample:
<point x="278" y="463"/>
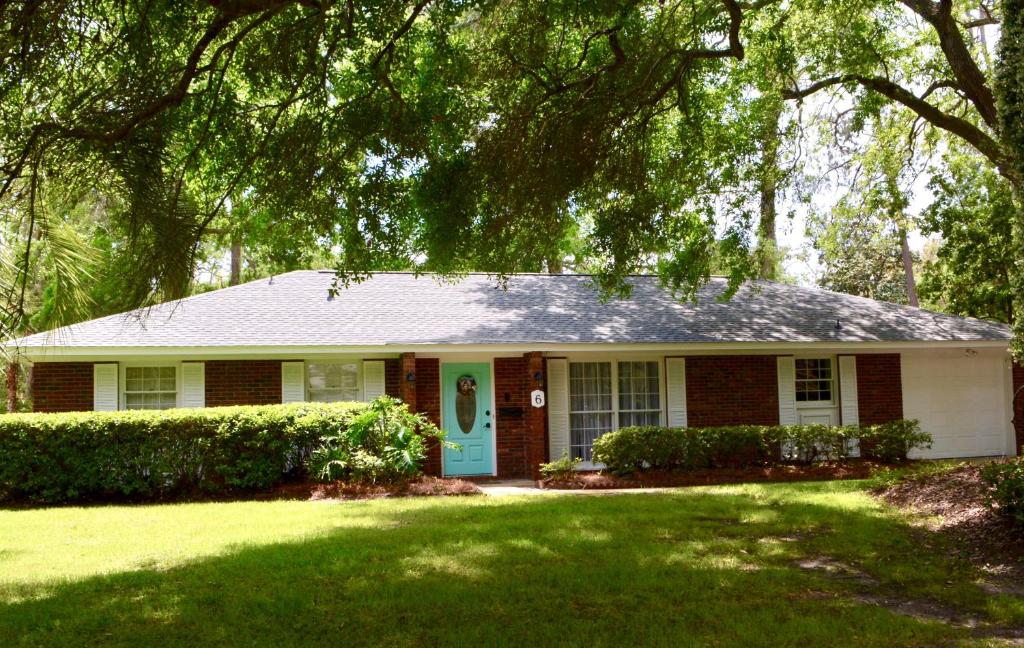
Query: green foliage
<point x="973" y="211"/>
<point x="1006" y="481"/>
<point x="561" y="469"/>
<point x="892" y="442"/>
<point x="384" y="443"/>
<point x="631" y="449"/>
<point x="144" y="455"/>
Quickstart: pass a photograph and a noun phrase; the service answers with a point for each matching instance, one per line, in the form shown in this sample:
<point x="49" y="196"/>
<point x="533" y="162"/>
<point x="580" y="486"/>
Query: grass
<point x="697" y="566"/>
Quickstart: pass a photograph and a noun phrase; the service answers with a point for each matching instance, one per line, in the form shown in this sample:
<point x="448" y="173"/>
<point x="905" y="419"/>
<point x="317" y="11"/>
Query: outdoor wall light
<point x="410" y="377"/>
<point x="538" y="376"/>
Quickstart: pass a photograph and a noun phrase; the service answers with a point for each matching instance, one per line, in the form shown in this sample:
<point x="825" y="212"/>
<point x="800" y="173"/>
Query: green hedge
<point x="145" y="455"/>
<point x="653" y="447"/>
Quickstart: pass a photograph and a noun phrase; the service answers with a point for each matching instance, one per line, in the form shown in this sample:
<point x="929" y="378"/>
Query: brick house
<point x="521" y="373"/>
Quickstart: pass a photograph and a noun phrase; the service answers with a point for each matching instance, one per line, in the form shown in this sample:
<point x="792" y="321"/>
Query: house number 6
<point x="537" y="398"/>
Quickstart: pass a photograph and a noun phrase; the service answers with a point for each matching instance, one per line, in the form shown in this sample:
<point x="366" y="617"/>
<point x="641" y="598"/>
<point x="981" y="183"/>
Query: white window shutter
<point x="293" y="382"/>
<point x="193" y="384"/>
<point x="373" y="379"/>
<point x="787" y="390"/>
<point x="675" y="388"/>
<point x="558" y="407"/>
<point x="104" y="387"/>
<point x="849" y="411"/>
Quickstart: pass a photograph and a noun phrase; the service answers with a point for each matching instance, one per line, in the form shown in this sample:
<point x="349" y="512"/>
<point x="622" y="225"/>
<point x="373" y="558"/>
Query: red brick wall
<point x="732" y="390"/>
<point x="879" y="388"/>
<point x="1018" y="404"/>
<point x="62" y="387"/>
<point x="243" y="382"/>
<point x="512" y="393"/>
<point x="393" y="378"/>
<point x="536" y="417"/>
<point x="428" y="401"/>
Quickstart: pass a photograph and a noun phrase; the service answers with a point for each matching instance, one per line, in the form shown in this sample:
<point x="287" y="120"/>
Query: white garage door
<point x="960" y="400"/>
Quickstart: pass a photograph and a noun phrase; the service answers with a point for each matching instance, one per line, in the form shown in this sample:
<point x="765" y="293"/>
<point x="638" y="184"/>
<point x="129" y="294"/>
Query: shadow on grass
<point x="687" y="568"/>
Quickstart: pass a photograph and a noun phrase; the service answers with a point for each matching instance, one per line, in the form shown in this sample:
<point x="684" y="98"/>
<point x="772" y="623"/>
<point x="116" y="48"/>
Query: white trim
<point x="103" y="401"/>
<point x="43" y="353"/>
<point x="293" y="382"/>
<point x="786" y="371"/>
<point x="849" y="400"/>
<point x="196" y="382"/>
<point x="675" y="392"/>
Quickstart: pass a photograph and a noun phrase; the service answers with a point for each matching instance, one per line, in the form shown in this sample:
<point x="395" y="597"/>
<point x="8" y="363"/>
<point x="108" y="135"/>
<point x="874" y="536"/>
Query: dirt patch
<point x="955" y="502"/>
<point x="660" y="478"/>
<point x="338" y="490"/>
<point x="922" y="609"/>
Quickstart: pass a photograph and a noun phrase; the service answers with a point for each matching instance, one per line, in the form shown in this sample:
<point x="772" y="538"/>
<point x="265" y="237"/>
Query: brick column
<point x="536" y="417"/>
<point x="407" y="388"/>
<point x="428" y="401"/>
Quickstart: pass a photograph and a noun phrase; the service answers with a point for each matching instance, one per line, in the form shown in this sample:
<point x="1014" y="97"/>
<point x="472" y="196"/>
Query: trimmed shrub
<point x="631" y="449"/>
<point x="145" y="455"/>
<point x="1006" y="483"/>
<point x="892" y="442"/>
<point x="384" y="443"/>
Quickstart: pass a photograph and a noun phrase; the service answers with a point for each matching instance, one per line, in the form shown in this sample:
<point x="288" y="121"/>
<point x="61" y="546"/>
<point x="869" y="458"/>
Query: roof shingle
<point x="403" y="309"/>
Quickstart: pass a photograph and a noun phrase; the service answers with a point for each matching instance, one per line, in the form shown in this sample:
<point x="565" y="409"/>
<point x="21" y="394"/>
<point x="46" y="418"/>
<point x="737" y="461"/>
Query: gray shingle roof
<point x="402" y="309"/>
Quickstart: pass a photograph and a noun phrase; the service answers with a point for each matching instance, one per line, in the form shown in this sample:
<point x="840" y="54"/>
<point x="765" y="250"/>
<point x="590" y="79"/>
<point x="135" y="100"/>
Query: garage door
<point x="960" y="400"/>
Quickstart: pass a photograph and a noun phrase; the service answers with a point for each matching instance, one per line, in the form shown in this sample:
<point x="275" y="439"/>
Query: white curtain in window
<point x="333" y="381"/>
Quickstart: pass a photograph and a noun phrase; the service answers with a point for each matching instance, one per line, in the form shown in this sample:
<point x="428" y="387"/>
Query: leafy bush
<point x="55" y="458"/>
<point x="384" y="443"/>
<point x="892" y="442"/>
<point x="561" y="469"/>
<point x="631" y="449"/>
<point x="1006" y="481"/>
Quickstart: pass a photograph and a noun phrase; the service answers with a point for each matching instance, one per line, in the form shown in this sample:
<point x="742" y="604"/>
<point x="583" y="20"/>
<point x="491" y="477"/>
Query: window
<point x="604" y="396"/>
<point x="150" y="387"/>
<point x="333" y="381"/>
<point x="814" y="380"/>
<point x="639" y="395"/>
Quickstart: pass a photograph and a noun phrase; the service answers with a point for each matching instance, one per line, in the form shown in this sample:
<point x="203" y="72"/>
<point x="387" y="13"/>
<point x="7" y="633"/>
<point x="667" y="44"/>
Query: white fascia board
<point x="382" y="351"/>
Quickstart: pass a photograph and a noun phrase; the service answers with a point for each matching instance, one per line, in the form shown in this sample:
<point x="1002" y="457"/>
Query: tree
<point x="973" y="212"/>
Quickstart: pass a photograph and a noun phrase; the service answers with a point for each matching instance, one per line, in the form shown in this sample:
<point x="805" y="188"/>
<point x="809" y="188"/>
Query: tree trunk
<point x="554" y="265"/>
<point x="236" y="261"/>
<point x="12" y="386"/>
<point x="767" y="242"/>
<point x="908" y="269"/>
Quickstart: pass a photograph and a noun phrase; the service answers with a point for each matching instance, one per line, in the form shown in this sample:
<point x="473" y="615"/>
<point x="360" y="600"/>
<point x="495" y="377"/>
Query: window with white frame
<point x="333" y="381"/>
<point x="150" y="387"/>
<point x="604" y="396"/>
<point x="814" y="380"/>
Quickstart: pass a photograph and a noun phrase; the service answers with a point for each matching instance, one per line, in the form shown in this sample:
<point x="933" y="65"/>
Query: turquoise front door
<point x="468" y="418"/>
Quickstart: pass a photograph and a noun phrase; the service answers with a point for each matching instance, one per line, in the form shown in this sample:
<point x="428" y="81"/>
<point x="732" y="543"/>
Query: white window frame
<point x="615" y="360"/>
<point x="334" y="361"/>
<point x="834" y="380"/>
<point x="122" y="380"/>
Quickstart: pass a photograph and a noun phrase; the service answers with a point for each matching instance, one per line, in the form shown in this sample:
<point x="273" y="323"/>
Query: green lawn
<point x="694" y="567"/>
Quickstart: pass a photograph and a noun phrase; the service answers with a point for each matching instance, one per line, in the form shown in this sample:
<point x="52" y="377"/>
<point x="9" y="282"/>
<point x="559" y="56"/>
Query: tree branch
<point x="958" y="126"/>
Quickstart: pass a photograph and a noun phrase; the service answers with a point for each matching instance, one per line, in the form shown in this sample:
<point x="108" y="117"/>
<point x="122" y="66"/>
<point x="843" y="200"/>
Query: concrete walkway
<point x="506" y="488"/>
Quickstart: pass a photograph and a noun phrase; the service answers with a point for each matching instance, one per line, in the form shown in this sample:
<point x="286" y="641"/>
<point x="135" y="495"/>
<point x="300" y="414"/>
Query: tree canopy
<point x="455" y="135"/>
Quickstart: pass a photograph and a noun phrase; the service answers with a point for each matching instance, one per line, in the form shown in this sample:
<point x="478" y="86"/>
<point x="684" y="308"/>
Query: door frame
<point x="489" y="361"/>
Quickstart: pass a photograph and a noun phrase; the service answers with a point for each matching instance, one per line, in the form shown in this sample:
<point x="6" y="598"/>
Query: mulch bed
<point x="421" y="486"/>
<point x="957" y="500"/>
<point x="656" y="478"/>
